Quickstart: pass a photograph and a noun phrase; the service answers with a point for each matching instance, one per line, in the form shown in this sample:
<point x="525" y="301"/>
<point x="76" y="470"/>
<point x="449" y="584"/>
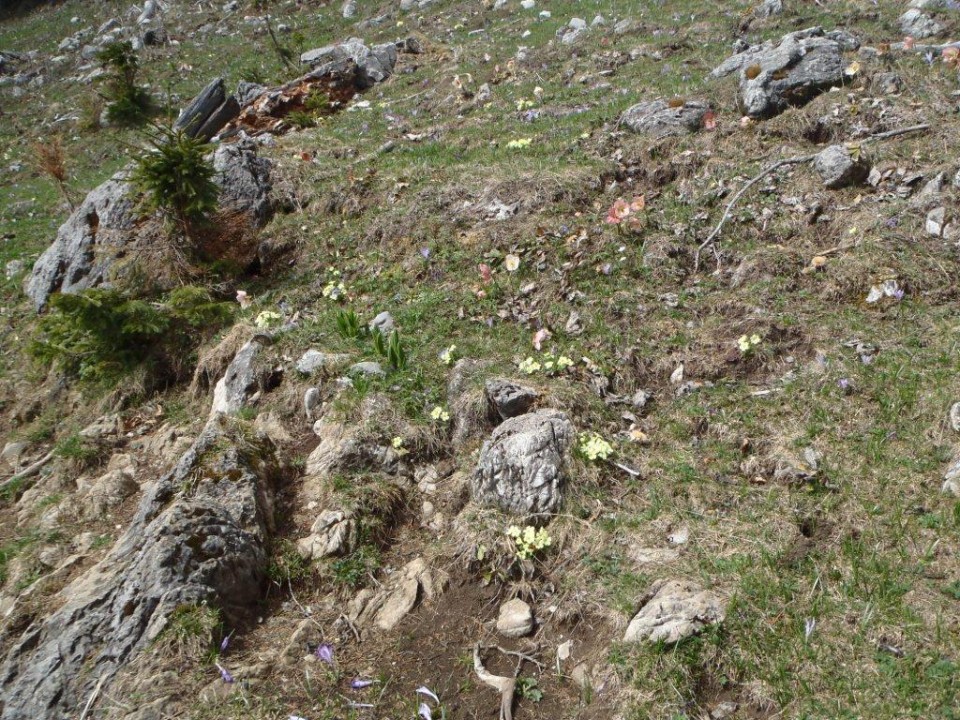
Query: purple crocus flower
<point x="225" y="643"/>
<point x="325" y="653"/>
<point x="424" y="712"/>
<point x="425" y="251"/>
<point x="843" y="383"/>
<point x="359" y="684"/>
<point x="224" y="673"/>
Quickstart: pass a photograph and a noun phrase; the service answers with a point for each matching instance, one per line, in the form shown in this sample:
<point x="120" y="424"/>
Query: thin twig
<point x="519" y="655"/>
<point x="29" y="472"/>
<point x="895" y="133"/>
<point x="739" y="194"/>
<point x="93" y="697"/>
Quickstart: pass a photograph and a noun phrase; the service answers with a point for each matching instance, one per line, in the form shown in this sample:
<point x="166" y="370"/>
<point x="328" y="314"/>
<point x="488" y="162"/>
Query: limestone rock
<point x="247" y="375"/>
<point x="314" y="360"/>
<point x="919" y="25"/>
<point x="515" y="619"/>
<point x="107" y="226"/>
<point x="769" y="8"/>
<point x="334" y="532"/>
<point x="386" y="607"/>
<point x="672" y="611"/>
<point x="383" y="323"/>
<point x="521" y="467"/>
<point x="792" y="72"/>
<point x="110" y="489"/>
<point x="207" y="545"/>
<point x="659" y="118"/>
<point x="509" y="399"/>
<point x="373" y="64"/>
<point x="838" y="166"/>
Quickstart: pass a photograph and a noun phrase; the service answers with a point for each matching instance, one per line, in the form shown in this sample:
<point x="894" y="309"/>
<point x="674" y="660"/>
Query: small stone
<point x="673" y="611"/>
<point x="368" y="368"/>
<point x="660" y="118"/>
<point x="12" y="452"/>
<point x="311" y="399"/>
<point x="954" y="420"/>
<point x="515" y="619"/>
<point x="936" y="220"/>
<point x="349" y="9"/>
<point x="769" y="8"/>
<point x="598" y="21"/>
<point x="838" y="166"/>
<point x="528" y="4"/>
<point x="509" y="399"/>
<point x="313" y="360"/>
<point x="383" y="323"/>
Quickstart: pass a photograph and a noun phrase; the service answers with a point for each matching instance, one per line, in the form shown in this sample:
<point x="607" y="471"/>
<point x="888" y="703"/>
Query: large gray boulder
<point x="522" y="465"/>
<point x="109" y="225"/>
<point x="199" y="536"/>
<point x="792" y="72"/>
<point x="659" y="118"/>
<point x="244" y="180"/>
<point x="373" y="64"/>
<point x="87" y="243"/>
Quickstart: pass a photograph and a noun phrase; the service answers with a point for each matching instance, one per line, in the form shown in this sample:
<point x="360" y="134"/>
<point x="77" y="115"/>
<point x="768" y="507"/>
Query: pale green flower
<point x="438" y="413"/>
<point x="593" y="447"/>
<point x="519" y="144"/>
<point x="530" y="366"/>
<point x="448" y="356"/>
<point x="268" y="318"/>
<point x="529" y="541"/>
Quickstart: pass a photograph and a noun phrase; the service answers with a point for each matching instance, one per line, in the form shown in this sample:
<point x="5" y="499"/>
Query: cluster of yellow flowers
<point x="548" y="364"/>
<point x="268" y="318"/>
<point x="334" y="289"/>
<point x="593" y="447"/>
<point x="519" y="144"/>
<point x="746" y="344"/>
<point x="449" y="355"/>
<point x="438" y="413"/>
<point x="529" y="541"/>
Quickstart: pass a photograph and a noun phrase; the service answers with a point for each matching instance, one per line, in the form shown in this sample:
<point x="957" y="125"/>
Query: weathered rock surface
<point x="86" y="243"/>
<point x="344" y="447"/>
<point x="334" y="532"/>
<point x="674" y="610"/>
<point x="919" y="25"/>
<point x="515" y="619"/>
<point x="99" y="495"/>
<point x="249" y="374"/>
<point x="207" y="113"/>
<point x="659" y="118"/>
<point x="509" y="399"/>
<point x="198" y="536"/>
<point x="316" y="361"/>
<point x="794" y="71"/>
<point x="386" y="607"/>
<point x="107" y="225"/>
<point x="373" y="64"/>
<point x="521" y="467"/>
<point x="840" y="166"/>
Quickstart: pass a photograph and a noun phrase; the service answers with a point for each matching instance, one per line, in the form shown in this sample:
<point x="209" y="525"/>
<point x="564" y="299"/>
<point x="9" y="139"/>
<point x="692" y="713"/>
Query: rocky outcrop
<point x="792" y="72"/>
<point x="108" y="226"/>
<point x="249" y="374"/>
<point x="207" y="113"/>
<point x="333" y="533"/>
<point x="521" y="467"/>
<point x="198" y="537"/>
<point x="373" y="64"/>
<point x="672" y="611"/>
<point x="660" y="118"/>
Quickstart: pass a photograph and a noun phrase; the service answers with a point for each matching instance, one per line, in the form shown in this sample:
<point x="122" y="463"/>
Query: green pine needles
<point x="176" y="178"/>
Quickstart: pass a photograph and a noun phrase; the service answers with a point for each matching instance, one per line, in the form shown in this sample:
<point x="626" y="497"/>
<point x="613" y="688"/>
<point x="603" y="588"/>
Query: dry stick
<point x="750" y="183"/>
<point x="93" y="697"/>
<point x="797" y="160"/>
<point x="30" y="471"/>
<point x="507" y="686"/>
